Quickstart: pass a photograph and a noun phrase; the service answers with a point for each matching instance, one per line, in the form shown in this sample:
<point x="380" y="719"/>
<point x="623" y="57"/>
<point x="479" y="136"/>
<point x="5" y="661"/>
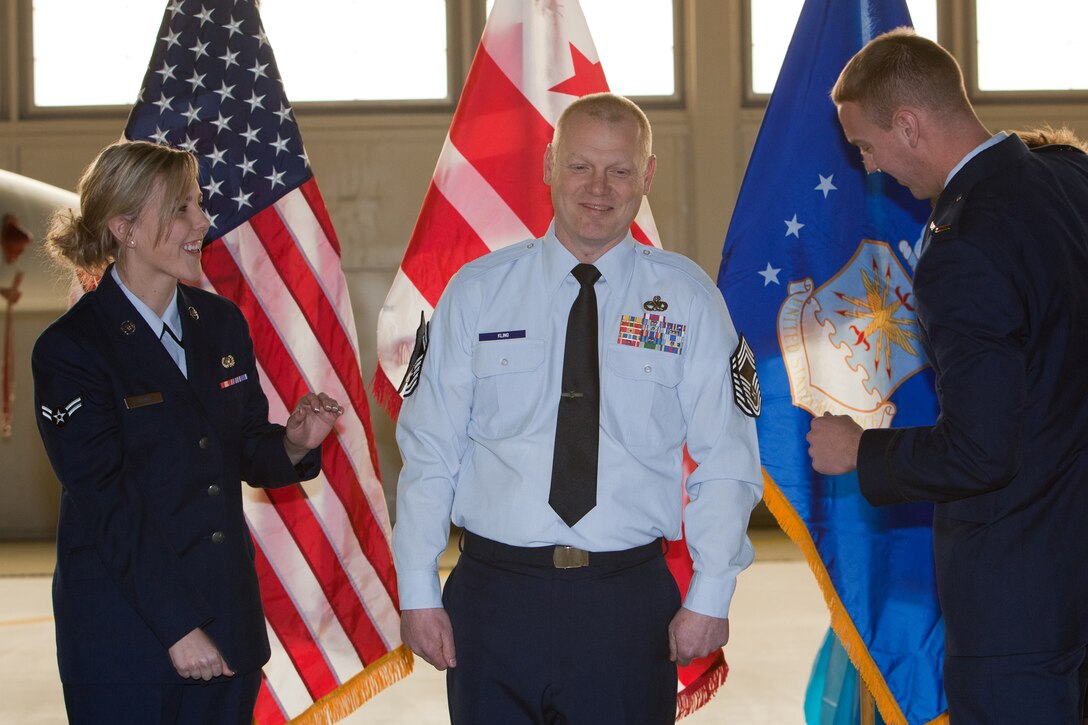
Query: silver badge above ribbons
<point x="655" y="305"/>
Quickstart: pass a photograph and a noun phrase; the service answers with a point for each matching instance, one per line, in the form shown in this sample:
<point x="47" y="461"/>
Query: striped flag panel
<point x="323" y="557"/>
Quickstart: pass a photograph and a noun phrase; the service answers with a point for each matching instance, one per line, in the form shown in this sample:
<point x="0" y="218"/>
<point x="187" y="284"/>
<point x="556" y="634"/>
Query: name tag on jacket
<point x="139" y="401"/>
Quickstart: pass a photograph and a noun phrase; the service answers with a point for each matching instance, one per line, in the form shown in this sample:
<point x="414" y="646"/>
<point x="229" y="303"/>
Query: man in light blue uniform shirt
<point x="532" y="628"/>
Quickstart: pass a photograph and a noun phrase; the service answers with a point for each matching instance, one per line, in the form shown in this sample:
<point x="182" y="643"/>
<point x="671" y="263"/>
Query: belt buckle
<point x="568" y="557"/>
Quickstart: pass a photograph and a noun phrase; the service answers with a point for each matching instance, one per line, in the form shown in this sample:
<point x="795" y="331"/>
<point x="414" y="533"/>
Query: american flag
<point x="487" y="192"/>
<point x="323" y="556"/>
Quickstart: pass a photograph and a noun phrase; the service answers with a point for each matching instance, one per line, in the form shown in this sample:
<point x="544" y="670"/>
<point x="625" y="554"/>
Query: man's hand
<point x="429" y="634"/>
<point x="693" y="635"/>
<point x="833" y="442"/>
<point x="196" y="657"/>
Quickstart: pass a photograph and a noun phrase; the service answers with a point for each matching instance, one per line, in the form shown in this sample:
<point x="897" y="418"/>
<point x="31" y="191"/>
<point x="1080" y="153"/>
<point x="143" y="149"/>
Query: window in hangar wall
<point x="399" y="51"/>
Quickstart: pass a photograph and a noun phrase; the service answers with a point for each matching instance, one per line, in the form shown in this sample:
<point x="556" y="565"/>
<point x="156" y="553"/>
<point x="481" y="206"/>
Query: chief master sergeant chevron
<point x="563" y="377"/>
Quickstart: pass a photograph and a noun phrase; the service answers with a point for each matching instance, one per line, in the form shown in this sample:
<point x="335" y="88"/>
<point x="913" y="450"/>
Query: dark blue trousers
<point x="540" y="645"/>
<point x="1041" y="688"/>
<point x="221" y="702"/>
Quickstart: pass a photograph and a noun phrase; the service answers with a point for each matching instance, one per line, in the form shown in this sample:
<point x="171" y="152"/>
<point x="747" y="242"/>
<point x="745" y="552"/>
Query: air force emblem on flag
<point x="415" y="363"/>
<point x="60" y="416"/>
<point x="746" y="392"/>
<point x="851" y="342"/>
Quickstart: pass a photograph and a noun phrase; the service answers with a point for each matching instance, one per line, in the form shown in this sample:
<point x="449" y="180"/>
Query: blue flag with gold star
<point x="817" y="271"/>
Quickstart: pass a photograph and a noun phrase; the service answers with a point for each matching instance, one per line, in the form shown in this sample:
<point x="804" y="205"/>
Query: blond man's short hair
<point x="901" y="68"/>
<point x="610" y="108"/>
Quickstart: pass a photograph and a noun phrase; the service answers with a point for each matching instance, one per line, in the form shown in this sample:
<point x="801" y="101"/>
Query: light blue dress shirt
<point x="172" y="318"/>
<point x="477" y="436"/>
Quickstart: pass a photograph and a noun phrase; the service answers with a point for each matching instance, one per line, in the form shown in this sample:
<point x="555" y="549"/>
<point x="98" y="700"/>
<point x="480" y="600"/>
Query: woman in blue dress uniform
<point x="151" y="411"/>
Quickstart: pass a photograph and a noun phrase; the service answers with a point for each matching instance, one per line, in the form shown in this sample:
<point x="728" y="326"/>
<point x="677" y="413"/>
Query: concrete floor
<point x="777" y="622"/>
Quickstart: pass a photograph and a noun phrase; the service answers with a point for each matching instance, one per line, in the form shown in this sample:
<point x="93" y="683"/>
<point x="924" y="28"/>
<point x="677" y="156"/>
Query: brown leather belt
<point x="557" y="557"/>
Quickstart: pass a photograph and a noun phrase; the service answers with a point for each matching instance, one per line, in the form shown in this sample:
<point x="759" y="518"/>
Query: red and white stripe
<point x="487" y="191"/>
<point x="323" y="553"/>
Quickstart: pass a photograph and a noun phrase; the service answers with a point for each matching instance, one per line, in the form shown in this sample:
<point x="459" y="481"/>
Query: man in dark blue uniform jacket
<point x="1001" y="299"/>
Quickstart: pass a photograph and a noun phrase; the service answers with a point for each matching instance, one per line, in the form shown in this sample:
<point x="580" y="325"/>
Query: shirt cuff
<point x="710" y="596"/>
<point x="419" y="590"/>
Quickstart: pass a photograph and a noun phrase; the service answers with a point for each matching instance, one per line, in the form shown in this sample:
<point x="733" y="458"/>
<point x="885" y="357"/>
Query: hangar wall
<point x="374" y="167"/>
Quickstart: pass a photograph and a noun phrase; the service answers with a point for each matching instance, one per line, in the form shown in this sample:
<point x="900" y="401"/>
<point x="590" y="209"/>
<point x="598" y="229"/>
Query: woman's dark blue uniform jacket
<point x="151" y="541"/>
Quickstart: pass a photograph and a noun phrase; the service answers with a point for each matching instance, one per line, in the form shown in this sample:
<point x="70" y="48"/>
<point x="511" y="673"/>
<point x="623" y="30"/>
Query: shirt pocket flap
<point x="507" y="356"/>
<point x="651" y="365"/>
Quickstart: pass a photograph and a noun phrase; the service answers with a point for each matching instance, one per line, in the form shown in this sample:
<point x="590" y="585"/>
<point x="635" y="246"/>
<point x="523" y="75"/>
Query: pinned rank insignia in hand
<point x="746" y="392"/>
<point x="60" y="416"/>
<point x="652" y="332"/>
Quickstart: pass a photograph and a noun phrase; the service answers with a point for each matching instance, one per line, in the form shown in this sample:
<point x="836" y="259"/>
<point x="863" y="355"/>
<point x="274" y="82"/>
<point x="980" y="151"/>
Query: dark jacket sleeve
<point x="975" y="318"/>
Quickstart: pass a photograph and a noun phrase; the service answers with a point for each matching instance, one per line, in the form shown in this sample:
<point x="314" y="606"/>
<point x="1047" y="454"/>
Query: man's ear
<point x="907" y="123"/>
<point x="549" y="161"/>
<point x="648" y="177"/>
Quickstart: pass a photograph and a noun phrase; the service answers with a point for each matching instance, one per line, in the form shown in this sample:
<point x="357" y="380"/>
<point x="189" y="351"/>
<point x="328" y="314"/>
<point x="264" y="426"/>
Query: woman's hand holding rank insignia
<point x="308" y="425"/>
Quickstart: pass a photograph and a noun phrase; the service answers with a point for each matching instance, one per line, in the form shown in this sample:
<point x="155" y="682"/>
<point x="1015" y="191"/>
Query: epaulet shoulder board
<point x="678" y="262"/>
<point x="501" y="256"/>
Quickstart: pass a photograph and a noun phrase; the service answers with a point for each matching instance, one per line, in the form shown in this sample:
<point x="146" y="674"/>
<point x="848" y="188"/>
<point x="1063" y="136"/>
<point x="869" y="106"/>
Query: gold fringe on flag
<point x="841" y="622"/>
<point x="703" y="688"/>
<point x="347" y="698"/>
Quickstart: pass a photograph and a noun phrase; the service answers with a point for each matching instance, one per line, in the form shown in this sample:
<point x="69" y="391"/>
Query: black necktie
<point x="574" y="463"/>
